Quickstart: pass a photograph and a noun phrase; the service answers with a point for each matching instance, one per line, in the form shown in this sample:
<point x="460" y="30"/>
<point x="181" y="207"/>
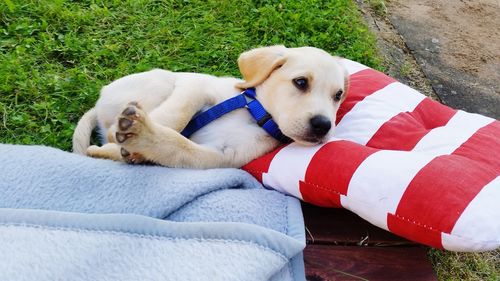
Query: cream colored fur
<point x="166" y="101"/>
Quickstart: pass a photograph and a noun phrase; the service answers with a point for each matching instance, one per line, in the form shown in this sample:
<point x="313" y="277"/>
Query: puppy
<point x="142" y="114"/>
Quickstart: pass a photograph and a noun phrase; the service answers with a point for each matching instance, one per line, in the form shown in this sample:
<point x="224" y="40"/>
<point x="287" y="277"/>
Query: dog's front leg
<point x="139" y="136"/>
<point x="107" y="151"/>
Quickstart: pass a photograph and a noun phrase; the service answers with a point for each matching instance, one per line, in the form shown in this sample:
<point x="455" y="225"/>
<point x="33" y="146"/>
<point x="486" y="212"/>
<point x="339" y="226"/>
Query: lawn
<point x="55" y="56"/>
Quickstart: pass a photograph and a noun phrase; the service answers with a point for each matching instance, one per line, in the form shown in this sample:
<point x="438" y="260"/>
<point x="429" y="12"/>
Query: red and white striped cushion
<point x="403" y="162"/>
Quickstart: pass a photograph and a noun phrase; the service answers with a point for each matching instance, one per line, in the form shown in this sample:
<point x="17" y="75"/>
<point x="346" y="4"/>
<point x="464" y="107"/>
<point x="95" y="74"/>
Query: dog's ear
<point x="347" y="83"/>
<point x="257" y="64"/>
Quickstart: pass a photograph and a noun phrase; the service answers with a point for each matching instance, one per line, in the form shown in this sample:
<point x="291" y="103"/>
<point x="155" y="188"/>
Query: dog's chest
<point x="235" y="131"/>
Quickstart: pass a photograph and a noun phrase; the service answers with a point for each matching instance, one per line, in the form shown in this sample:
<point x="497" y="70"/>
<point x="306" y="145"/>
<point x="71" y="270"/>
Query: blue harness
<point x="246" y="99"/>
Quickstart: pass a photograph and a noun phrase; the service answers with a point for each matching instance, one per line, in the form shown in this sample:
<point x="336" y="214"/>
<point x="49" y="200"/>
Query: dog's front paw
<point x="134" y="133"/>
<point x="130" y="123"/>
<point x="132" y="157"/>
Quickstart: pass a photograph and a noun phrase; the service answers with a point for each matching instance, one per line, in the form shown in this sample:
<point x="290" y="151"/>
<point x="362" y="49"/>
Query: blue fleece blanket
<point x="68" y="217"/>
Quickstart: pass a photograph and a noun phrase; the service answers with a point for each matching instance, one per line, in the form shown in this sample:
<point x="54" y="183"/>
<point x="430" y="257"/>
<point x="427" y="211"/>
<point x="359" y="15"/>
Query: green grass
<point x="378" y="6"/>
<point x="452" y="266"/>
<point x="56" y="55"/>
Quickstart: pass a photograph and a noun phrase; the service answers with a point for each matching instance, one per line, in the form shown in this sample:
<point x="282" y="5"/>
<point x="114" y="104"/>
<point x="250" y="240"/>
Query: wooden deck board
<point x="342" y="227"/>
<point x="325" y="263"/>
<point x="342" y="246"/>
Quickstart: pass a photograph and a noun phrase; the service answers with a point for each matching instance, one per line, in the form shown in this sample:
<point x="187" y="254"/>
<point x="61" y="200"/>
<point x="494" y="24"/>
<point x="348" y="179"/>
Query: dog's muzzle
<point x="319" y="126"/>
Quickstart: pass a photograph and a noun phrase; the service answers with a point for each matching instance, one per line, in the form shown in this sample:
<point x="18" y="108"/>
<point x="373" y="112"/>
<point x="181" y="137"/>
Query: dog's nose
<point x="320" y="125"/>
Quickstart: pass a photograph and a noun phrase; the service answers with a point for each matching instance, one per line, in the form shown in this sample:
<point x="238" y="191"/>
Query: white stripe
<point x="478" y="228"/>
<point x="380" y="182"/>
<point x="365" y="210"/>
<point x="444" y="140"/>
<point x="365" y="118"/>
<point x="352" y="66"/>
<point x="288" y="168"/>
<point x="461" y="244"/>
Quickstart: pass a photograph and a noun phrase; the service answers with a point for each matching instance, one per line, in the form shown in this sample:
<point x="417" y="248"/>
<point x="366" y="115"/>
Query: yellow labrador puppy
<point x="142" y="114"/>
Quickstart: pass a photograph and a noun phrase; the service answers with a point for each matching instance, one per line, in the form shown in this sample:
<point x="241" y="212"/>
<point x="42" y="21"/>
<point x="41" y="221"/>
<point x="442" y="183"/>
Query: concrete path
<point x="455" y="44"/>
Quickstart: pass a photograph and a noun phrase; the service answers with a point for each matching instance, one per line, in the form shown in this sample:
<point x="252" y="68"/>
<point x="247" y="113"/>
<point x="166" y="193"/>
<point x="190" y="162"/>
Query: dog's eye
<point x="338" y="95"/>
<point x="301" y="83"/>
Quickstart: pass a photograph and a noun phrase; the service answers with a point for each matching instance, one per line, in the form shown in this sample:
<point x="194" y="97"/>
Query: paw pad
<point x="124" y="152"/>
<point x="124" y="123"/>
<point x="129" y="111"/>
<point x="121" y="137"/>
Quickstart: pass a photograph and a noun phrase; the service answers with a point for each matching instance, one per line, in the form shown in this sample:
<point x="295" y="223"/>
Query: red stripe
<point x="361" y="85"/>
<point x="330" y="171"/>
<point x="405" y="130"/>
<point x="261" y="165"/>
<point x="440" y="192"/>
<point x="483" y="146"/>
<point x="413" y="230"/>
<point x="319" y="195"/>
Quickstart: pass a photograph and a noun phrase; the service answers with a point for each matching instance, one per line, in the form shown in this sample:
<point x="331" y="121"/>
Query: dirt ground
<point x="397" y="58"/>
<point x="467" y="31"/>
<point x="457" y="44"/>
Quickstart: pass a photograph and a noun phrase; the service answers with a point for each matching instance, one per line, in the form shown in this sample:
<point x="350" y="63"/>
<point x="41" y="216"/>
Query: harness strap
<point x="246" y="99"/>
<point x="201" y="119"/>
<point x="263" y="118"/>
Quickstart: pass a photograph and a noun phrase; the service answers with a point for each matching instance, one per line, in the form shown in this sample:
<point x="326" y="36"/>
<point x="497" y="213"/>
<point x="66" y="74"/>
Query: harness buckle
<point x="264" y="119"/>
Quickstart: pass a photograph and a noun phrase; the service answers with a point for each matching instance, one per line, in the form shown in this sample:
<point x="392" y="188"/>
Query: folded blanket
<point x="68" y="217"/>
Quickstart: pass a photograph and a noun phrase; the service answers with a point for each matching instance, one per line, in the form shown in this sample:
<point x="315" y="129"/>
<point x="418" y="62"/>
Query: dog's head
<point x="302" y="88"/>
